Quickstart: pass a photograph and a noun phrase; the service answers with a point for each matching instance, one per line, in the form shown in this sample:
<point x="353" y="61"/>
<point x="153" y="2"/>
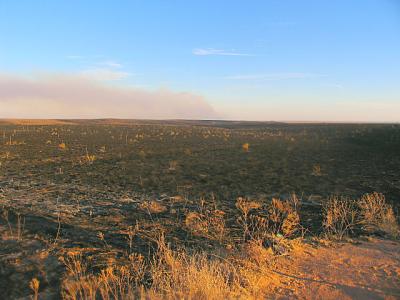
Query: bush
<point x="207" y="221"/>
<point x="377" y="216"/>
<point x="284" y="216"/>
<point x="339" y="217"/>
<point x="271" y="223"/>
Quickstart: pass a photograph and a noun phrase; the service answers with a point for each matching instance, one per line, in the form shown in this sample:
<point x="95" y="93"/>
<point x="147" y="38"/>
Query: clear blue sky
<point x="286" y="60"/>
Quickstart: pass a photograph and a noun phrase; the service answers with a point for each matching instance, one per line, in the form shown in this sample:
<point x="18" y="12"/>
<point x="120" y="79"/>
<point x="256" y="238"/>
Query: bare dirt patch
<point x="363" y="270"/>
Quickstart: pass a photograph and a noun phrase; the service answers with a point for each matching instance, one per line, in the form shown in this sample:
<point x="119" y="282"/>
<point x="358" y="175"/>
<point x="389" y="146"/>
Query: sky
<point x="268" y="60"/>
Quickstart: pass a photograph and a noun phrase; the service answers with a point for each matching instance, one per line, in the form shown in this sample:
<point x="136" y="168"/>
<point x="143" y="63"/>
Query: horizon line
<point x="202" y="120"/>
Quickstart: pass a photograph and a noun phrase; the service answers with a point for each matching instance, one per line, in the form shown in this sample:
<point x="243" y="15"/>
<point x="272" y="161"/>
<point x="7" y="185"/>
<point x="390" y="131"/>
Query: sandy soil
<point x="363" y="270"/>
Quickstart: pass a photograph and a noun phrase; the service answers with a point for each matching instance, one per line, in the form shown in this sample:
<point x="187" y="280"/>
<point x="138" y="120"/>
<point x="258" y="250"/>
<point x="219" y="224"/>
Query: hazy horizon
<point x="285" y="61"/>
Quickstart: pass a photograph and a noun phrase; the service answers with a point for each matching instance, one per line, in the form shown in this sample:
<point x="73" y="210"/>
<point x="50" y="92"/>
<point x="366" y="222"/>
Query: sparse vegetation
<point x="340" y="217"/>
<point x="183" y="211"/>
<point x="377" y="215"/>
<point x="370" y="213"/>
<point x="207" y="222"/>
<point x="18" y="230"/>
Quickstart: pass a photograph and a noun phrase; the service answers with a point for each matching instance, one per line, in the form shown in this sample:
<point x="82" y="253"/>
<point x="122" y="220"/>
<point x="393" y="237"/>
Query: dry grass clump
<point x="130" y="233"/>
<point x="377" y="216"/>
<point x="284" y="216"/>
<point x="370" y="213"/>
<point x="207" y="221"/>
<point x="268" y="228"/>
<point x="113" y="282"/>
<point x="173" y="164"/>
<point x="153" y="207"/>
<point x="178" y="275"/>
<point x="34" y="286"/>
<point x="339" y="217"/>
<point x="173" y="274"/>
<point x="245" y="206"/>
<point x="256" y="251"/>
<point x="90" y="158"/>
<point x="279" y="218"/>
<point x="18" y="231"/>
<point x="170" y="275"/>
<point x="316" y="170"/>
<point x="62" y="146"/>
<point x="196" y="223"/>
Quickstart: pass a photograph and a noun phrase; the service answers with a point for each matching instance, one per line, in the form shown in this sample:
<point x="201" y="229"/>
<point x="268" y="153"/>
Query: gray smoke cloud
<point x="67" y="96"/>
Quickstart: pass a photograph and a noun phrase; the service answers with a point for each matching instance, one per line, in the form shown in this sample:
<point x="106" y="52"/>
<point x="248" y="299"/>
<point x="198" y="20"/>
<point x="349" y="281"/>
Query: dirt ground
<point x="362" y="270"/>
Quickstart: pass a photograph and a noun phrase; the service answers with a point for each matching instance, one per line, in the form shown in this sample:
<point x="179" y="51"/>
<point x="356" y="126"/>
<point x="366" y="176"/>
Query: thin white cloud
<point x="212" y="51"/>
<point x="111" y="64"/>
<point x="107" y="63"/>
<point x="104" y="74"/>
<point x="274" y="76"/>
<point x="103" y="70"/>
<point x="62" y="96"/>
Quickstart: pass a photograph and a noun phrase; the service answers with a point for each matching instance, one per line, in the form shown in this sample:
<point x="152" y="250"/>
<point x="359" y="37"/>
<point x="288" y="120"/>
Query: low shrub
<point x="339" y="217"/>
<point x="377" y="216"/>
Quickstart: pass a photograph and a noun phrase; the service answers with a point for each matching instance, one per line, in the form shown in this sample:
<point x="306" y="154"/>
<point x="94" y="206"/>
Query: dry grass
<point x="244" y="272"/>
<point x="256" y="251"/>
<point x="370" y="213"/>
<point x="153" y="207"/>
<point x="245" y="206"/>
<point x="113" y="282"/>
<point x="178" y="275"/>
<point x="14" y="232"/>
<point x="34" y="285"/>
<point x="377" y="215"/>
<point x="62" y="146"/>
<point x="284" y="216"/>
<point x="173" y="275"/>
<point x="316" y="170"/>
<point x="173" y="164"/>
<point x="339" y="217"/>
<point x="207" y="221"/>
<point x="266" y="222"/>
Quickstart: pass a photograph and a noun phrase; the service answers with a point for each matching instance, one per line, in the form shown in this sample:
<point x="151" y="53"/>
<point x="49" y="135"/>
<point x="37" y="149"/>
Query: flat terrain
<point x="80" y="184"/>
<point x="182" y="157"/>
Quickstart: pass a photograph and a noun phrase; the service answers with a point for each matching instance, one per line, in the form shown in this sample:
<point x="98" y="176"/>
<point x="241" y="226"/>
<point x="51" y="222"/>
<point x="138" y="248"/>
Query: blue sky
<point x="256" y="60"/>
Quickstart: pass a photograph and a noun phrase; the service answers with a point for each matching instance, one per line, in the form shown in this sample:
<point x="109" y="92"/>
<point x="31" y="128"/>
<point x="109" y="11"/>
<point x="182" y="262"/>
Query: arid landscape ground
<point x="122" y="209"/>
